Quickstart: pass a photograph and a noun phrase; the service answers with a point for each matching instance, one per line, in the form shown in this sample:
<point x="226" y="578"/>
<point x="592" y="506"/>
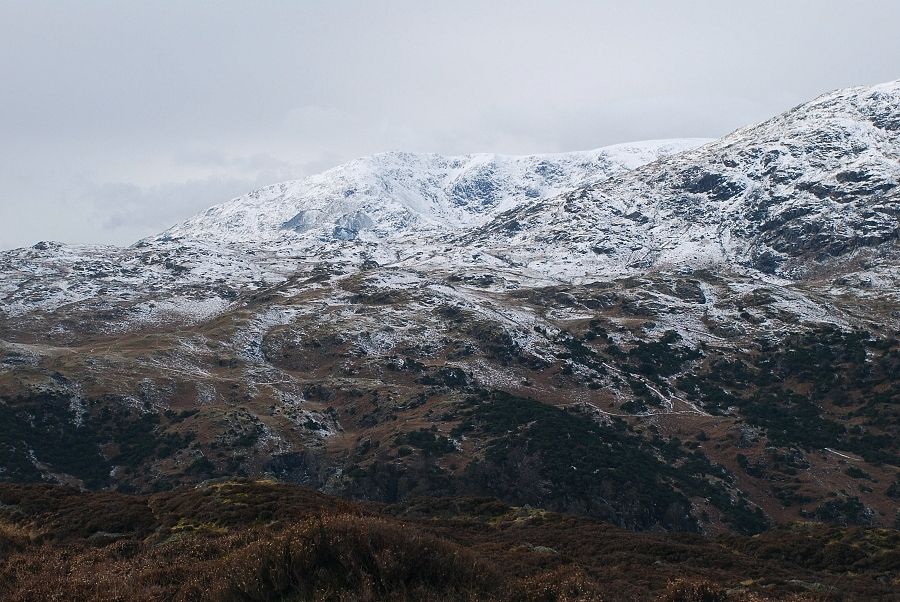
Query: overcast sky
<point x="119" y="119"/>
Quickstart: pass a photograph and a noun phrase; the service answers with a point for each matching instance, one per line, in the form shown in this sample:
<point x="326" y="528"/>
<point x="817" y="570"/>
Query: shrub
<point x="681" y="590"/>
<point x="328" y="557"/>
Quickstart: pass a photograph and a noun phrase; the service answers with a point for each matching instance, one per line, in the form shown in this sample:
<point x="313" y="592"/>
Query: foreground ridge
<point x="259" y="540"/>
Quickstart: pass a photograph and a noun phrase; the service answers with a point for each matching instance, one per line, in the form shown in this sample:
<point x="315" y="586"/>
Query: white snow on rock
<point x="398" y="193"/>
<point x="810" y="195"/>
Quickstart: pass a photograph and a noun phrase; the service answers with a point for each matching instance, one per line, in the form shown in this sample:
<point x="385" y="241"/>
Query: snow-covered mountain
<point x="392" y="195"/>
<point x="324" y="330"/>
<point x="812" y="191"/>
<point x="390" y="208"/>
<point x="819" y="182"/>
<point x="816" y="183"/>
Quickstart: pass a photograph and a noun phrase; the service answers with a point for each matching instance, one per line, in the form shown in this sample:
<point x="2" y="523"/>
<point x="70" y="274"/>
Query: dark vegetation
<point x="43" y="429"/>
<point x="38" y="428"/>
<point x="246" y="540"/>
<point x="661" y="358"/>
<point x="430" y="443"/>
<point x="551" y="458"/>
<point x="846" y="511"/>
<point x="818" y="389"/>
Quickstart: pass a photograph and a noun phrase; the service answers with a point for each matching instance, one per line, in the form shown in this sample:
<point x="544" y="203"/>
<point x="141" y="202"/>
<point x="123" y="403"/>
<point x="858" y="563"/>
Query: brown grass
<point x="260" y="541"/>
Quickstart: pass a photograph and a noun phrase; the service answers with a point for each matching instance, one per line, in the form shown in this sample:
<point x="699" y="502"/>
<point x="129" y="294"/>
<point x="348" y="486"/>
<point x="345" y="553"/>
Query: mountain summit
<point x="816" y="183"/>
<point x="392" y="195"/>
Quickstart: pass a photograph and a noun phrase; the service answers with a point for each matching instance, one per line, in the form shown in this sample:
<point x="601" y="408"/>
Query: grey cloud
<point x="130" y="208"/>
<point x="119" y="119"/>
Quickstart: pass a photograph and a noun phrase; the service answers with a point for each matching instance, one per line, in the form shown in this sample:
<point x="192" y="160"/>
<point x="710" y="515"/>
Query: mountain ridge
<point x="425" y="189"/>
<point x="772" y="180"/>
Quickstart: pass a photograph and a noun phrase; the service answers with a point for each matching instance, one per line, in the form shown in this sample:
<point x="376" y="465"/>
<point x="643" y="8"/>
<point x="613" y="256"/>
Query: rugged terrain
<point x="676" y="335"/>
<point x="246" y="540"/>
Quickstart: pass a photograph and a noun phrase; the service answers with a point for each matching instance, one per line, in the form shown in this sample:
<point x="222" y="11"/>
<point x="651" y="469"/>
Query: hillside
<point x="697" y="336"/>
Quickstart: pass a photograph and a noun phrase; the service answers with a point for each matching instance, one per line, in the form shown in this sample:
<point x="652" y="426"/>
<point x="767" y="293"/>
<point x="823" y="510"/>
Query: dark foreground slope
<point x="246" y="540"/>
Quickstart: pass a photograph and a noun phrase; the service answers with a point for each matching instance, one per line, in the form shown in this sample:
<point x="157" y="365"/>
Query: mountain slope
<point x="819" y="182"/>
